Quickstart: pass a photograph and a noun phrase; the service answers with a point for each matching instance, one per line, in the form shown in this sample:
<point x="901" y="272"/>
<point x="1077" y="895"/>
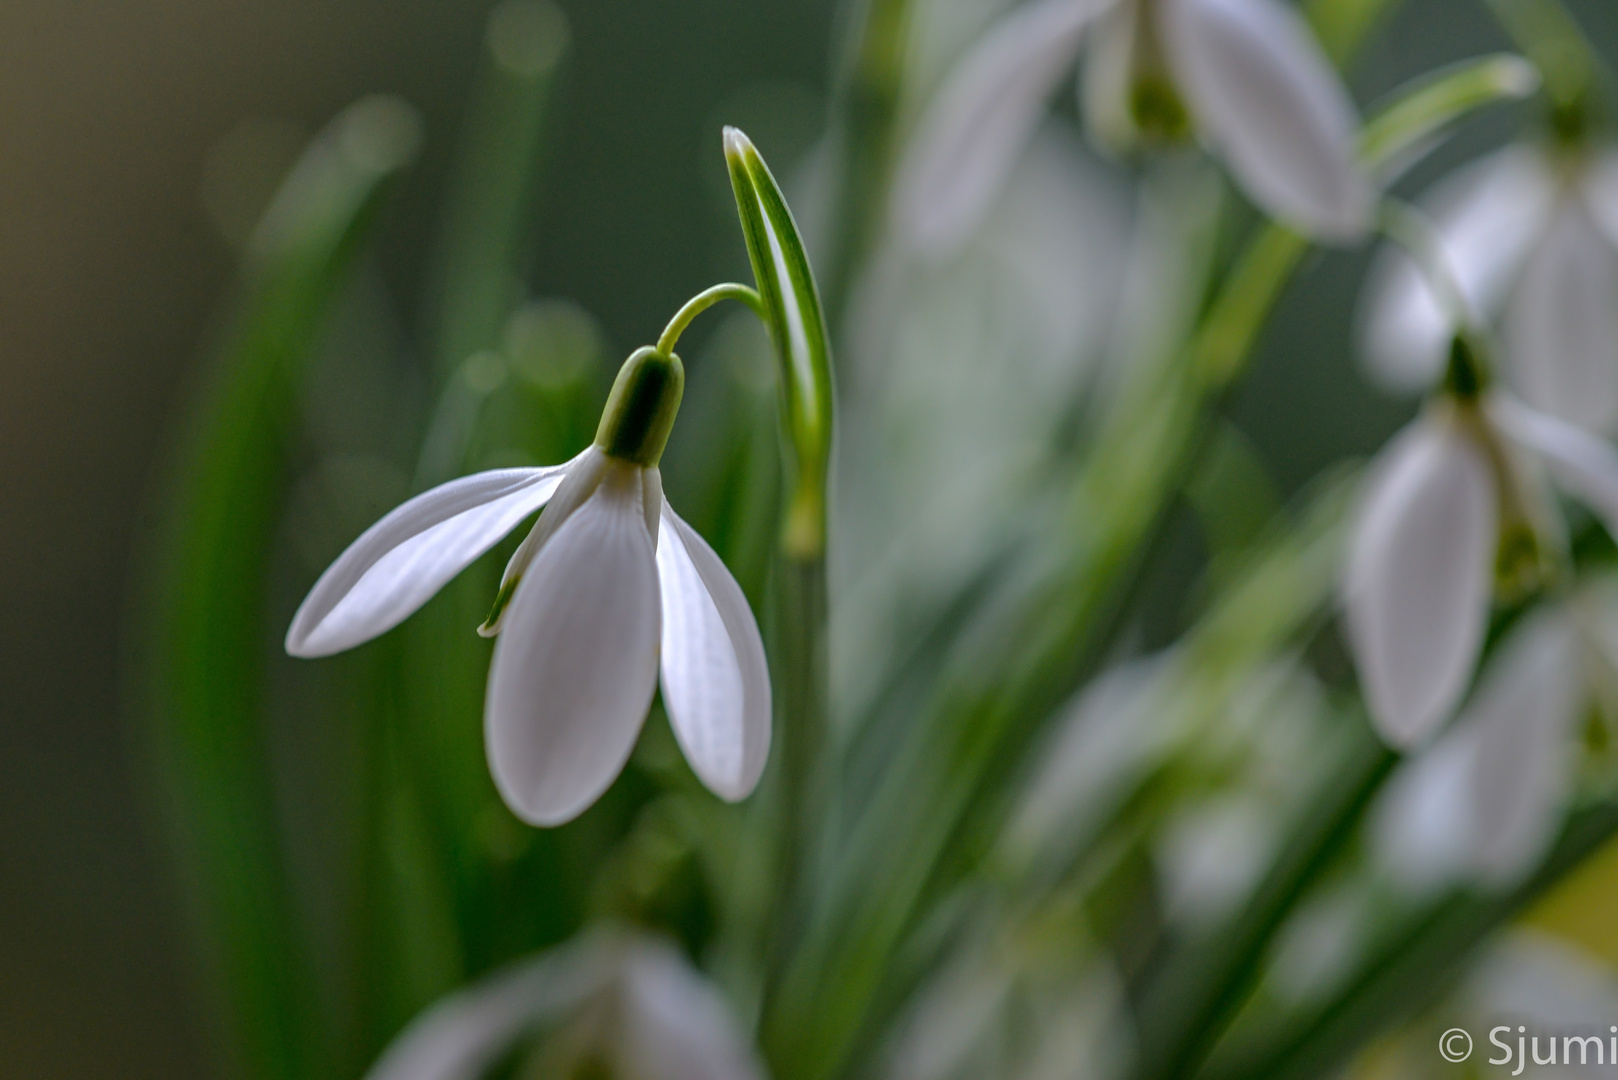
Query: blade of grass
<point x="1415" y="970"/>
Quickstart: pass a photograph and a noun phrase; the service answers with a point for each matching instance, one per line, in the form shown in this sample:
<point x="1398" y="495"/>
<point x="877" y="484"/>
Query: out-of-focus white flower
<point x="1246" y="75"/>
<point x="632" y="1004"/>
<point x="1037" y="1001"/>
<point x="1532" y="239"/>
<point x="609" y="581"/>
<point x="1485" y="800"/>
<point x="1453" y="501"/>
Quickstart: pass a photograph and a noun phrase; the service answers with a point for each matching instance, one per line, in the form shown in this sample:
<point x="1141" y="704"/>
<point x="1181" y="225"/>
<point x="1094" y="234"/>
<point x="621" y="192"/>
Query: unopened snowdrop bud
<point x="628" y="1005"/>
<point x="640" y="412"/>
<point x="610" y="594"/>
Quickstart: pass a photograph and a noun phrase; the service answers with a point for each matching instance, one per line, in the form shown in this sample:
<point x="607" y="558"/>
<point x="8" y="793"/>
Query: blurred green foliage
<point x="346" y="856"/>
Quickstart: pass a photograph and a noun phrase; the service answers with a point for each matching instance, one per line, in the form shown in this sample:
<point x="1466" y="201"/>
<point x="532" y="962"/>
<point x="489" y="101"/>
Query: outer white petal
<point x="675" y="1024"/>
<point x="461" y="1036"/>
<point x="981" y="119"/>
<point x="1266" y="96"/>
<point x="1486" y="218"/>
<point x="1422" y="826"/>
<point x="1561" y="326"/>
<point x="1580" y="462"/>
<point x="1522" y="719"/>
<point x="1600" y="189"/>
<point x="400" y="562"/>
<point x="716" y="683"/>
<point x="1417" y="587"/>
<point x="575" y="667"/>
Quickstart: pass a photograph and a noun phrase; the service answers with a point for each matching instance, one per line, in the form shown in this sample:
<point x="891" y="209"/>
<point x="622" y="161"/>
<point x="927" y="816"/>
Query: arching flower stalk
<point x="608" y="588"/>
<point x="1457" y="511"/>
<point x="1247" y="77"/>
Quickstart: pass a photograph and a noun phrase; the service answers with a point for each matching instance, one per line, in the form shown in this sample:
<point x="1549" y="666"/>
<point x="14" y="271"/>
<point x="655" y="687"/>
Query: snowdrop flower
<point x="1485" y="801"/>
<point x="1456" y="503"/>
<point x="1247" y="76"/>
<point x="629" y="1003"/>
<point x="1530" y="237"/>
<point x="609" y="582"/>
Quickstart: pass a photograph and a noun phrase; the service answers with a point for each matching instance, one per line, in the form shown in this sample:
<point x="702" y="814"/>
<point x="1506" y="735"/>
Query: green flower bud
<point x="640" y="413"/>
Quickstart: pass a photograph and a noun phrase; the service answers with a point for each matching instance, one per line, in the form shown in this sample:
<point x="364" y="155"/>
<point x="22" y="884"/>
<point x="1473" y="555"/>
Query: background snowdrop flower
<point x="1451" y="505"/>
<point x="1246" y="75"/>
<point x="1533" y="240"/>
<point x="630" y="1003"/>
<point x="609" y="582"/>
<point x="1483" y="803"/>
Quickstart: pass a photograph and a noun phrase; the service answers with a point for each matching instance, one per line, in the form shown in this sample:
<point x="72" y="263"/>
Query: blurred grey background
<point x="109" y="276"/>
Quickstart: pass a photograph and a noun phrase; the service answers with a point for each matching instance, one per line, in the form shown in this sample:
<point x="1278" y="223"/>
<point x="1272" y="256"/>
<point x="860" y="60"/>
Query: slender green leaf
<point x="200" y="627"/>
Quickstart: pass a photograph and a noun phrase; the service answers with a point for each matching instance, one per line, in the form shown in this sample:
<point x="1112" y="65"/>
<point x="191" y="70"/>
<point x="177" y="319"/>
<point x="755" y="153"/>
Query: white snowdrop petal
<point x="1522" y="719"/>
<point x="1600" y="190"/>
<point x="1561" y="325"/>
<point x="1422" y="828"/>
<point x="400" y="562"/>
<point x="981" y="119"/>
<point x="1486" y="217"/>
<point x="576" y="664"/>
<point x="461" y="1036"/>
<point x="1266" y="97"/>
<point x="716" y="683"/>
<point x="1420" y="565"/>
<point x="676" y="1026"/>
<point x="1583" y="464"/>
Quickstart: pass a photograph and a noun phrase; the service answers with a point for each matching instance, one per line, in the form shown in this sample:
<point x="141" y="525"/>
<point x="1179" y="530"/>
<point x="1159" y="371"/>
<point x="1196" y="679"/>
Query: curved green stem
<point x="1408" y="227"/>
<point x="701" y="302"/>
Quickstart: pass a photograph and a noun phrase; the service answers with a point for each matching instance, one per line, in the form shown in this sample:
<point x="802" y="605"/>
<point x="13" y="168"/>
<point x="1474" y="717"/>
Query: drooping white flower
<point x="609" y="588"/>
<point x="1529" y="239"/>
<point x="1247" y="75"/>
<point x="1483" y="803"/>
<point x="630" y="1003"/>
<point x="1453" y="501"/>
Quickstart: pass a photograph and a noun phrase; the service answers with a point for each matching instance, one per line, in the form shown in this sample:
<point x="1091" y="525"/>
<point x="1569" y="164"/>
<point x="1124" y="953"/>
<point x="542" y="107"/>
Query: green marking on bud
<point x="639" y="415"/>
